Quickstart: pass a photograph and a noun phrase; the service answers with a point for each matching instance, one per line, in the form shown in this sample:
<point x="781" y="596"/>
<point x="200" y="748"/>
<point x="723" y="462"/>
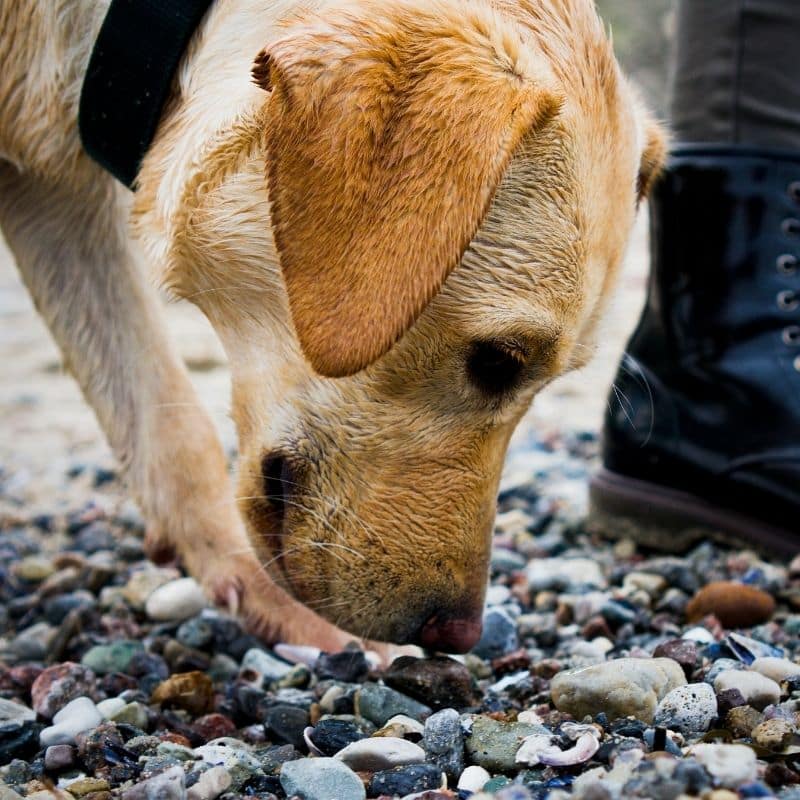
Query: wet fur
<point x="398" y="463"/>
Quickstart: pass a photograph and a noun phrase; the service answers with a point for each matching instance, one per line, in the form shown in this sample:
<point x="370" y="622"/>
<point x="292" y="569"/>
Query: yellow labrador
<point x="402" y="217"/>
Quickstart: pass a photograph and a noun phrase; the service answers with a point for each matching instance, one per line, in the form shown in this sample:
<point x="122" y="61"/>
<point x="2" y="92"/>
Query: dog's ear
<point x="389" y="134"/>
<point x="654" y="156"/>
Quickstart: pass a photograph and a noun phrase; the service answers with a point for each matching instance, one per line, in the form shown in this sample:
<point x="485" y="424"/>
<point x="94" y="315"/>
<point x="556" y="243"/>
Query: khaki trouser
<point x="737" y="72"/>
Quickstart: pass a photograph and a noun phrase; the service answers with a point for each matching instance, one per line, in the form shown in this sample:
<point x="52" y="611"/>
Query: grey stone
<point x="59" y="756"/>
<point x="321" y="779"/>
<point x="688" y="709"/>
<point x="380" y="703"/>
<point x="210" y="785"/>
<point x="443" y="742"/>
<point x="380" y="753"/>
<point x="756" y="689"/>
<point x="730" y="764"/>
<point x="167" y="785"/>
<point x="493" y="745"/>
<point x="499" y="634"/>
<point x="267" y="667"/>
<point x="176" y="600"/>
<point x="9" y="710"/>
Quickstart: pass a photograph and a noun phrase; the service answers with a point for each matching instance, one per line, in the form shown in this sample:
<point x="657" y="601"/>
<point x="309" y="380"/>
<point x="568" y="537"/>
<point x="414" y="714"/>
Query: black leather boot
<point x="702" y="436"/>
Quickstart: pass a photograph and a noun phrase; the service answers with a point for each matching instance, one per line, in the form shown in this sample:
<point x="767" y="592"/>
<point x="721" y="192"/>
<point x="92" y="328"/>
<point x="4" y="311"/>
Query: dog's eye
<point x="495" y="366"/>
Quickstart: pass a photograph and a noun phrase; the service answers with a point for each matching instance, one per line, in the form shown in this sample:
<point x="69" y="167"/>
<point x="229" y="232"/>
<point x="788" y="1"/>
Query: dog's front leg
<point x="72" y="248"/>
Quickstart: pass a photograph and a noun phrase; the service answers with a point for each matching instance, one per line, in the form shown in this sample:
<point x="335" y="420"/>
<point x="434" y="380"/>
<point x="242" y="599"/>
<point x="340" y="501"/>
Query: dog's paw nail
<point x="298" y="654"/>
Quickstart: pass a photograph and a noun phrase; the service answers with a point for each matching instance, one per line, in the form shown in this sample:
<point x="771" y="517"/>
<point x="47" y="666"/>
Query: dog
<point x="403" y="218"/>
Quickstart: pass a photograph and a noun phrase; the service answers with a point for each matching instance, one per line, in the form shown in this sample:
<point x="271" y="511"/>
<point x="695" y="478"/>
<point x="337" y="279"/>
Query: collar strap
<point x="129" y="78"/>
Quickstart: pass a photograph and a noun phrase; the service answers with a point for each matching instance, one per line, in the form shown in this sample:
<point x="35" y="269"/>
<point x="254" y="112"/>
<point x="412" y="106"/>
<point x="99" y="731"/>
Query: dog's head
<point x="451" y="188"/>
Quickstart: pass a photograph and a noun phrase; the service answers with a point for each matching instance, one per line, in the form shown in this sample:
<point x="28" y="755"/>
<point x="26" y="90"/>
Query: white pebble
<point x="381" y="752"/>
<point x="407" y="724"/>
<point x="473" y="779"/>
<point x="211" y="784"/>
<point x="77" y="716"/>
<point x="757" y="690"/>
<point x="777" y="669"/>
<point x="111" y="706"/>
<point x="176" y="600"/>
<point x="731" y="764"/>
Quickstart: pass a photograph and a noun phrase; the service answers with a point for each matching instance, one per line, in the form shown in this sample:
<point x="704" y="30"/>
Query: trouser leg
<point x="736" y="75"/>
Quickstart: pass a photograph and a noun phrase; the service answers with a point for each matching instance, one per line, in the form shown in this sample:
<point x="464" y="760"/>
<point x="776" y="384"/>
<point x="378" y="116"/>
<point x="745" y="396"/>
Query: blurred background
<point x="46" y="427"/>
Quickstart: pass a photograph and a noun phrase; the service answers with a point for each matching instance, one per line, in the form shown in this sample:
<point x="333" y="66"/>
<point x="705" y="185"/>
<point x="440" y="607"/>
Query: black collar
<point x="130" y="76"/>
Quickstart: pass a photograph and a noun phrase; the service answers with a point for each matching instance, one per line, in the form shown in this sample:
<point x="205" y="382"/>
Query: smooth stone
<point x="403" y="781"/>
<point x="619" y="688"/>
<point x="176" y="600"/>
<point x="285" y="724"/>
<point x="473" y="779"/>
<point x="499" y="635"/>
<point x="560" y="573"/>
<point x="77" y="716"/>
<point x="210" y="785"/>
<point x="9" y="710"/>
<point x="59" y="756"/>
<point x="730" y="764"/>
<point x="116" y="657"/>
<point x="680" y="650"/>
<point x="110" y="707"/>
<point x="443" y="742"/>
<point x="196" y="633"/>
<point x="688" y="709"/>
<point x="756" y="689"/>
<point x="321" y="779"/>
<point x="380" y="753"/>
<point x="380" y="703"/>
<point x="191" y="691"/>
<point x="773" y="734"/>
<point x="143" y="583"/>
<point x="493" y="745"/>
<point x="719" y="666"/>
<point x="348" y="666"/>
<point x="7" y="793"/>
<point x="84" y="786"/>
<point x="267" y="667"/>
<point x="648" y="582"/>
<point x="408" y="727"/>
<point x="440" y="682"/>
<point x="133" y="714"/>
<point x="167" y="785"/>
<point x="330" y="736"/>
<point x="735" y="605"/>
<point x="776" y="669"/>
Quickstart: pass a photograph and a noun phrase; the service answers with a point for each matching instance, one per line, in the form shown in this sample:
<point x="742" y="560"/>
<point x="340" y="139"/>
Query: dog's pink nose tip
<point x="453" y="635"/>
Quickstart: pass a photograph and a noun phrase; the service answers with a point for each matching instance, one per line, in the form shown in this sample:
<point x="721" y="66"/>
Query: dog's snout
<point x="279" y="481"/>
<point x="451" y="633"/>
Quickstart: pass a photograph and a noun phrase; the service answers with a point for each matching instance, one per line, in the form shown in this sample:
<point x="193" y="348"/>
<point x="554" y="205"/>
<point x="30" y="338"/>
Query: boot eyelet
<point x="793" y="190"/>
<point x="787" y="264"/>
<point x="788" y="301"/>
<point x="791" y="227"/>
<point x="791" y="336"/>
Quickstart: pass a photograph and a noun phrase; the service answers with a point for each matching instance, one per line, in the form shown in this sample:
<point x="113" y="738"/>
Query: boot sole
<point x="672" y="521"/>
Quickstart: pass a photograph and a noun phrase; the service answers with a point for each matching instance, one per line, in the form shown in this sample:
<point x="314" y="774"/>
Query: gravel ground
<point x="604" y="671"/>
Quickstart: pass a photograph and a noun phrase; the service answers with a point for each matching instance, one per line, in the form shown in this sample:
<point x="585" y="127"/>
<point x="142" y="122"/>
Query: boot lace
<point x="788" y="266"/>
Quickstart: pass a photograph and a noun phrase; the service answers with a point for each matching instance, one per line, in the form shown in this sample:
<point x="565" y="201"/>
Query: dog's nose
<point x="279" y="481"/>
<point x="451" y="634"/>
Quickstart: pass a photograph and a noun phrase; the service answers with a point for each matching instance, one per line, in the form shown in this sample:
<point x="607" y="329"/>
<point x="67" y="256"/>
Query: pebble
<point x="380" y="703"/>
<point x="493" y="745"/>
<point x="499" y="635"/>
<point x="402" y="781"/>
<point x="59" y="756"/>
<point x="349" y="666"/>
<point x="330" y="736"/>
<point x="144" y="582"/>
<point x="757" y="690"/>
<point x="210" y="785"/>
<point x="773" y="734"/>
<point x="167" y="785"/>
<point x="235" y="756"/>
<point x="379" y="753"/>
<point x="321" y="779"/>
<point x="742" y="720"/>
<point x="191" y="691"/>
<point x="440" y="682"/>
<point x="176" y="600"/>
<point x="443" y="742"/>
<point x="11" y="711"/>
<point x="620" y="688"/>
<point x="77" y="716"/>
<point x="688" y="709"/>
<point x="473" y="779"/>
<point x="680" y="650"/>
<point x="735" y="605"/>
<point x="560" y="573"/>
<point x="266" y="667"/>
<point x="285" y="724"/>
<point x="776" y="669"/>
<point x="116" y="657"/>
<point x="729" y="764"/>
